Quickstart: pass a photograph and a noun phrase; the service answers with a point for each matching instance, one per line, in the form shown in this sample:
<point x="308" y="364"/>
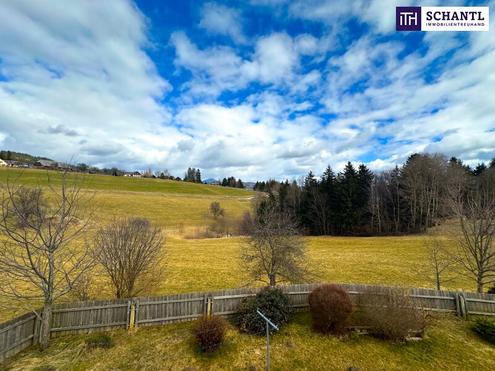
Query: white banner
<point x="455" y="18"/>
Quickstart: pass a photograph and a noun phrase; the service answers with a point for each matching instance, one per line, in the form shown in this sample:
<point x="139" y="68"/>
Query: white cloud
<point x="70" y="79"/>
<point x="221" y="20"/>
<point x="76" y="82"/>
<point x="275" y="61"/>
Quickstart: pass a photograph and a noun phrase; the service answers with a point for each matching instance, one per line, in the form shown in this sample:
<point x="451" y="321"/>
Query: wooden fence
<point x="21" y="332"/>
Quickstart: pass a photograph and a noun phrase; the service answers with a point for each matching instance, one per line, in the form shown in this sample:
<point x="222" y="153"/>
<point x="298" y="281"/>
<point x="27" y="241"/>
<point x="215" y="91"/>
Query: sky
<point x="253" y="89"/>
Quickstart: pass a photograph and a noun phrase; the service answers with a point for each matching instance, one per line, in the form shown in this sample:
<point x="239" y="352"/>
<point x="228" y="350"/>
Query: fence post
<point x="130" y="308"/>
<point x="464" y="305"/>
<point x="136" y="313"/>
<point x="209" y="306"/>
<point x="457" y="305"/>
<point x="37" y="326"/>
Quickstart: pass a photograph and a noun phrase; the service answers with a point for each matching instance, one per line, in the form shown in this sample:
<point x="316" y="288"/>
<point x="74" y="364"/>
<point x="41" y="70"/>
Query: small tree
<point x="39" y="258"/>
<point x="216" y="211"/>
<point x="275" y="252"/>
<point x="440" y="261"/>
<point x="474" y="208"/>
<point x="128" y="250"/>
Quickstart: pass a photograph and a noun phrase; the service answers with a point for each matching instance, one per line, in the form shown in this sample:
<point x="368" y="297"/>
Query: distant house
<point x="134" y="174"/>
<point x="3" y="163"/>
<point x="13" y="163"/>
<point x="47" y="164"/>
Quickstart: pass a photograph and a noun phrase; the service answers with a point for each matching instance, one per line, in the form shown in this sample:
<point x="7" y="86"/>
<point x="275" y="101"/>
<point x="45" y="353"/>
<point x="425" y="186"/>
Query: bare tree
<point x="474" y="208"/>
<point x="216" y="211"/>
<point x="129" y="250"/>
<point x="275" y="252"/>
<point x="439" y="258"/>
<point x="40" y="259"/>
<point x="81" y="291"/>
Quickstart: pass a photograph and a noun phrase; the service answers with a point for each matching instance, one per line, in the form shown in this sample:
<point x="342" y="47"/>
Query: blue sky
<point x="254" y="89"/>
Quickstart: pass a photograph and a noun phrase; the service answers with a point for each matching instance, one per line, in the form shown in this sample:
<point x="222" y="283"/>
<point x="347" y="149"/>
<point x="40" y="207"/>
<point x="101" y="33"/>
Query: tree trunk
<point x="46" y="323"/>
<point x="273" y="280"/>
<point x="480" y="286"/>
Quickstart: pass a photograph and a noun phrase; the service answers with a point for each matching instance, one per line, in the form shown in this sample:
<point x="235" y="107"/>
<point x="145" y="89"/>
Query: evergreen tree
<point x="479" y="169"/>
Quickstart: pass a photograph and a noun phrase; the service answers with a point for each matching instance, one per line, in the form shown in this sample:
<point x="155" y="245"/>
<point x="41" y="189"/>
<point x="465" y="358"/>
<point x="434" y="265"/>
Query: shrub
<point x="391" y="314"/>
<point x="330" y="308"/>
<point x="99" y="340"/>
<point x="272" y="302"/>
<point x="491" y="290"/>
<point x="209" y="333"/>
<point x="485" y="329"/>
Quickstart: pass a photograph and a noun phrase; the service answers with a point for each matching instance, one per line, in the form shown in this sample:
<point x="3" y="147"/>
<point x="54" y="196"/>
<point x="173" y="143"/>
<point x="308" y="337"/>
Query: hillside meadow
<point x="211" y="264"/>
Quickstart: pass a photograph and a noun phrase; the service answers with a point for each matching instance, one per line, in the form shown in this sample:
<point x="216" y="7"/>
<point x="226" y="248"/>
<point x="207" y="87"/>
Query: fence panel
<point x="483" y="304"/>
<point x="226" y="302"/>
<point x="170" y="308"/>
<point x="16" y="335"/>
<point x="87" y="316"/>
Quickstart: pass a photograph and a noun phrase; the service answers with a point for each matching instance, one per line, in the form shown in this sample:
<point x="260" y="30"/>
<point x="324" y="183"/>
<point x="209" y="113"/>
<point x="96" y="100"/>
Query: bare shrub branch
<point x="129" y="251"/>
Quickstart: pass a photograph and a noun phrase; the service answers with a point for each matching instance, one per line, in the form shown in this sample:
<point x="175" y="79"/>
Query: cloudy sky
<point x="254" y="89"/>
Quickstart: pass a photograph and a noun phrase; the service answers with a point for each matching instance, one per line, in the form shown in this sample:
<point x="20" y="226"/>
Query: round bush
<point x="99" y="340"/>
<point x="209" y="333"/>
<point x="272" y="302"/>
<point x="330" y="308"/>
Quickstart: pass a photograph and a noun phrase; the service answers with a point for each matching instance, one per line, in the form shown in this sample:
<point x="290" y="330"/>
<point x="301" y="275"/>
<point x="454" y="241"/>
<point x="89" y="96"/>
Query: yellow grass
<point x="449" y="345"/>
<point x="211" y="264"/>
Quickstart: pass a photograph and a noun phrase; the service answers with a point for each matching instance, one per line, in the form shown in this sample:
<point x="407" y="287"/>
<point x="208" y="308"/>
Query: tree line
<point x="355" y="201"/>
<point x="232" y="182"/>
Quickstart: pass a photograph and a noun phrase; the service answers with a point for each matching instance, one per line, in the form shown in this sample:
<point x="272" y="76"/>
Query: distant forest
<point x="407" y="199"/>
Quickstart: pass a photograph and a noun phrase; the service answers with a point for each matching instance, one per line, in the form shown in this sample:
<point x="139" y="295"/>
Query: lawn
<point x="449" y="345"/>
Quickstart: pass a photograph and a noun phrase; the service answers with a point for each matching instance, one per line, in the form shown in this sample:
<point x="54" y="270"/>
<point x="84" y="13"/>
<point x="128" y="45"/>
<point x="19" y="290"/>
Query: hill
<point x="21" y="157"/>
<point x="32" y="177"/>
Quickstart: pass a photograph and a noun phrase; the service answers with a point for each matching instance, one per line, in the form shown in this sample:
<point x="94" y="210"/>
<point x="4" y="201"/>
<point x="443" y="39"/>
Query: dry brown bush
<point x="391" y="313"/>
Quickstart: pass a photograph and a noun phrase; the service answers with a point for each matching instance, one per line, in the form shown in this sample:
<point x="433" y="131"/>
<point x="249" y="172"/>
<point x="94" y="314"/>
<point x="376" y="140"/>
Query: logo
<point x="442" y="18"/>
<point x="408" y="18"/>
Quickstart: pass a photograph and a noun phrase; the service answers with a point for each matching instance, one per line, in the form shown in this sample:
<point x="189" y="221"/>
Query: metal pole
<point x="267" y="347"/>
<point x="268" y="324"/>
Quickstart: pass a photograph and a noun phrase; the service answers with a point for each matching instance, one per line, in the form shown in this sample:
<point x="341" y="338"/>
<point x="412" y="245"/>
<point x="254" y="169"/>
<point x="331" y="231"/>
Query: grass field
<point x="449" y="345"/>
<point x="175" y="206"/>
<point x="211" y="264"/>
<point x="33" y="177"/>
